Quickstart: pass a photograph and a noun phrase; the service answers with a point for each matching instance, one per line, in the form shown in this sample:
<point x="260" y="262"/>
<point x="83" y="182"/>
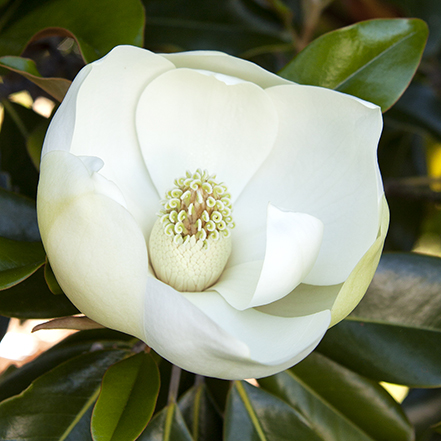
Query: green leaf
<point x="167" y="425"/>
<point x="57" y="87"/>
<point x="394" y="334"/>
<point x="18" y="260"/>
<point x="254" y="414"/>
<point x="18" y="217"/>
<point x="391" y="353"/>
<point x="53" y="405"/>
<point x="76" y="344"/>
<point x="98" y="26"/>
<point x="127" y="399"/>
<point x="325" y="393"/>
<point x="374" y="60"/>
<point x="33" y="299"/>
<point x="200" y="414"/>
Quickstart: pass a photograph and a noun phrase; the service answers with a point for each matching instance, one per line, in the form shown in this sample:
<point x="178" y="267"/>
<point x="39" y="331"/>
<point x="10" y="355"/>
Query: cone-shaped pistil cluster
<point x="190" y="243"/>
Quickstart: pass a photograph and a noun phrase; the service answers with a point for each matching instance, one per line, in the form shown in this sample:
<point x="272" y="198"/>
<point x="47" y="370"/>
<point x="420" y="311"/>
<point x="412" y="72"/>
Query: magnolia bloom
<point x="222" y="214"/>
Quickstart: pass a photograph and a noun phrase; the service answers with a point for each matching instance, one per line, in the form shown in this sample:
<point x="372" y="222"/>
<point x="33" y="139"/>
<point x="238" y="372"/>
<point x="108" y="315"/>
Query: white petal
<point x="60" y="133"/>
<point x="227" y="79"/>
<point x="183" y="334"/>
<point x="109" y="189"/>
<point x="103" y="112"/>
<point x="187" y="120"/>
<point x="292" y="245"/>
<point x="100" y="183"/>
<point x="95" y="247"/>
<point x="341" y="299"/>
<point x="203" y="334"/>
<point x="92" y="163"/>
<point x="228" y="65"/>
<point x="304" y="300"/>
<point x="324" y="163"/>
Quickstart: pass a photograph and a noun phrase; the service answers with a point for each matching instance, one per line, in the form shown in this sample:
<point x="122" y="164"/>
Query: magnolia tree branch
<point x="420" y="188"/>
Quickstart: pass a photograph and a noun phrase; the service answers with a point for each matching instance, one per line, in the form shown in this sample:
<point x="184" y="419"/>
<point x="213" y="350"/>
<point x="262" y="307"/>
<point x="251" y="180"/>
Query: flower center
<point x="190" y="242"/>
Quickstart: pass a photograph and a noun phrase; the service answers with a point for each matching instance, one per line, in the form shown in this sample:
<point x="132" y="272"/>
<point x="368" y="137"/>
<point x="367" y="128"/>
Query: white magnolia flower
<point x="297" y="200"/>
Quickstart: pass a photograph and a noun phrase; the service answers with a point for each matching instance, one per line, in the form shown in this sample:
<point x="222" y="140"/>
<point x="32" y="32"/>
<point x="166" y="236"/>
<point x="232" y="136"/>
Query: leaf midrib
<point x="374" y="59"/>
<point x="80" y="414"/>
<point x="250" y="410"/>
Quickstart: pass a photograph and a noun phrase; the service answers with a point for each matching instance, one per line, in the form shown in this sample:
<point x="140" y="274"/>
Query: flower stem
<point x="199" y="380"/>
<point x="174" y="384"/>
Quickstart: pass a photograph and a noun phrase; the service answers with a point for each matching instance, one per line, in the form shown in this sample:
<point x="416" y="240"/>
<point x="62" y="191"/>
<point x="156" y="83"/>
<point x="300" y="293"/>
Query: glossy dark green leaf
<point x="167" y="425"/>
<point x="254" y="414"/>
<point x="18" y="217"/>
<point x="33" y="299"/>
<point x="200" y="414"/>
<point x="373" y="60"/>
<point x="51" y="407"/>
<point x="57" y="87"/>
<point x="127" y="399"/>
<point x="394" y="334"/>
<point x="420" y="108"/>
<point x="17" y="124"/>
<point x="18" y="260"/>
<point x="395" y="354"/>
<point x="76" y="344"/>
<point x="98" y="26"/>
<point x="405" y="291"/>
<point x="340" y="404"/>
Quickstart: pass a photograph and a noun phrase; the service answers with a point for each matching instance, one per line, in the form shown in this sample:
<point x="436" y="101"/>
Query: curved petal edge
<point x="292" y="245"/>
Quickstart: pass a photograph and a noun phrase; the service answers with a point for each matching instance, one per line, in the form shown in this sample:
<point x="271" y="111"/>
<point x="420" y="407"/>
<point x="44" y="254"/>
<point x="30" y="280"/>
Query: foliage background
<point x="393" y="336"/>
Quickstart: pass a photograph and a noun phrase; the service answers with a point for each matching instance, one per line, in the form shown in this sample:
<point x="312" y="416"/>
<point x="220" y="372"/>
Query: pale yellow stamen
<point x="190" y="242"/>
